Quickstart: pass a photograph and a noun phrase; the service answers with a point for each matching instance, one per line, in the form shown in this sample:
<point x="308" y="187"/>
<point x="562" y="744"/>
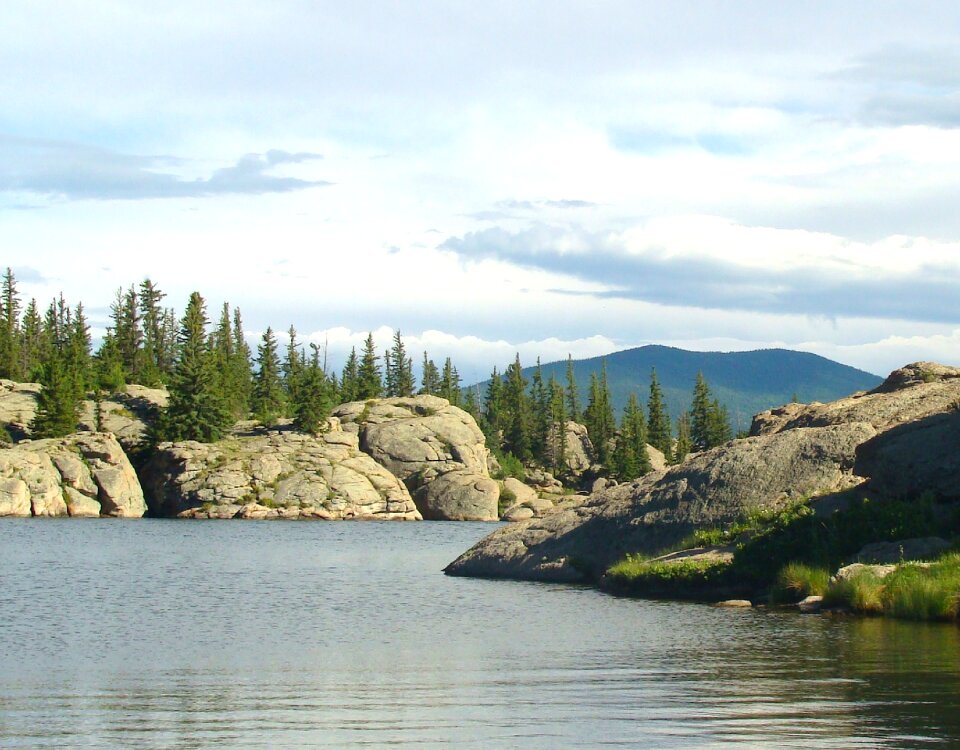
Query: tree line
<point x="526" y="421"/>
<point x="212" y="376"/>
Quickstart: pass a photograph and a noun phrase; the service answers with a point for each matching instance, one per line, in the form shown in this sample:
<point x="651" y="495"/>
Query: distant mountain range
<point x="745" y="382"/>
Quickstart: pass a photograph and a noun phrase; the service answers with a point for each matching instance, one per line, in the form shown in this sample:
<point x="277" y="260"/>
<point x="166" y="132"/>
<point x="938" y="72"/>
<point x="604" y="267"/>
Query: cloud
<point x="78" y="172"/>
<point x="758" y="269"/>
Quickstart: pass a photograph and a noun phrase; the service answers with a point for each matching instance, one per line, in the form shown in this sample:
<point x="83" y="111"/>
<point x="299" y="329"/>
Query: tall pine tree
<point x="369" y="377"/>
<point x="659" y="432"/>
<point x="268" y="396"/>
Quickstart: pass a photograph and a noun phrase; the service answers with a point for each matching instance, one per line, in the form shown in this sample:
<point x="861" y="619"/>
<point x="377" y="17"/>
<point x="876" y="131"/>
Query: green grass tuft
<point x="796" y="581"/>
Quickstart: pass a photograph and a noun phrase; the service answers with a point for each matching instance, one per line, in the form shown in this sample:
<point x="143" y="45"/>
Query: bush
<point x="795" y="581"/>
<point x="510" y="466"/>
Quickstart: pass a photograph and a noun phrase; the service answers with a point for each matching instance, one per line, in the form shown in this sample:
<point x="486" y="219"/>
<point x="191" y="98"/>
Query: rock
<point x="916" y="458"/>
<point x="578" y="450"/>
<point x="459" y="496"/>
<point x="810" y="605"/>
<point x="657" y="460"/>
<point x="125" y="414"/>
<point x="520" y="492"/>
<point x="421" y="440"/>
<point x="274" y="474"/>
<point x="18" y="405"/>
<point x="911" y="393"/>
<point x="81" y="474"/>
<point x="884" y="553"/>
<point x="518" y="513"/>
<point x="582" y="537"/>
<point x="735" y="604"/>
<point x="856" y="569"/>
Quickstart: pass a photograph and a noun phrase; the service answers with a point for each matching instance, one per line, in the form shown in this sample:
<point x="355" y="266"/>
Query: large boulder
<point x="912" y="392"/>
<point x="86" y="474"/>
<point x="583" y="536"/>
<point x="125" y="414"/>
<point x="18" y="405"/>
<point x="278" y="473"/>
<point x="435" y="449"/>
<point x="915" y="458"/>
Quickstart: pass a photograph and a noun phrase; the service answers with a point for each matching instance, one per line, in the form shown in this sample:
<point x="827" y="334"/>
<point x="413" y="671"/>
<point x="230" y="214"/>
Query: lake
<point x="192" y="634"/>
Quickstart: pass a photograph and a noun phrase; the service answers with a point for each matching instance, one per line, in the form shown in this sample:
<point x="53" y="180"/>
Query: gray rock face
<point x="86" y="474"/>
<point x="583" y="536"/>
<point x="578" y="450"/>
<point x="435" y="449"/>
<point x="125" y="414"/>
<point x="275" y="474"/>
<point x="920" y="457"/>
<point x="888" y="553"/>
<point x="18" y="404"/>
<point x="912" y="392"/>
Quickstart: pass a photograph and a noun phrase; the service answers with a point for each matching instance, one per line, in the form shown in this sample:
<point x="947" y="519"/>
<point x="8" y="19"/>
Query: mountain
<point x="745" y="382"/>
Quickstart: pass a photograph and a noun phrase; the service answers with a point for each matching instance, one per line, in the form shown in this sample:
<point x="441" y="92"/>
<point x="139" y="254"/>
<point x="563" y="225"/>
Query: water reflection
<point x="330" y="635"/>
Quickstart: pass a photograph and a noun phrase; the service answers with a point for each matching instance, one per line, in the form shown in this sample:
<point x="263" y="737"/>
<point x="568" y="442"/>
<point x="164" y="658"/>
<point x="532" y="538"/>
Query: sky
<point x="491" y="178"/>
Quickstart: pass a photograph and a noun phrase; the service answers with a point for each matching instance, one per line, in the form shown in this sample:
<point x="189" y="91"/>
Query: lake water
<point x="174" y="634"/>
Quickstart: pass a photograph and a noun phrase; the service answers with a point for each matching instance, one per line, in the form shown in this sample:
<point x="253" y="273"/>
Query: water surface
<point x="172" y="634"/>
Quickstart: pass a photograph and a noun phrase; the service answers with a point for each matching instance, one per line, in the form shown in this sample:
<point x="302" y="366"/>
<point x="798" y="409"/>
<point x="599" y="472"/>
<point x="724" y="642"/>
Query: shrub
<point x="510" y="466"/>
<point x="796" y="581"/>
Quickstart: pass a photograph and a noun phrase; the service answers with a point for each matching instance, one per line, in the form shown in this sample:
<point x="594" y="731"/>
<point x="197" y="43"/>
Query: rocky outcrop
<point x="125" y="414"/>
<point x="524" y="502"/>
<point x="276" y="473"/>
<point x="915" y="458"/>
<point x="578" y="450"/>
<point x="86" y="474"/>
<point x="913" y="392"/>
<point x="435" y="449"/>
<point x="583" y="536"/>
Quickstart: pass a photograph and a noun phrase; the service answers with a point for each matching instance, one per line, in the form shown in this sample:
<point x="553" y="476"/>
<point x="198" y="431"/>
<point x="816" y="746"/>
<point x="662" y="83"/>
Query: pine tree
<point x="151" y="316"/>
<point x="631" y="459"/>
<point x="718" y="425"/>
<point x="241" y="370"/>
<point x="10" y="364"/>
<point x="268" y="397"/>
<point x="573" y="397"/>
<point x="556" y="427"/>
<point x="313" y="396"/>
<point x="31" y="341"/>
<point x="516" y="408"/>
<point x="700" y="415"/>
<point x="450" y="383"/>
<point x="599" y="418"/>
<point x="195" y="410"/>
<point x="471" y="404"/>
<point x="125" y="312"/>
<point x="350" y="380"/>
<point x="492" y="423"/>
<point x="684" y="443"/>
<point x="77" y="354"/>
<point x="540" y="416"/>
<point x="369" y="377"/>
<point x="108" y="366"/>
<point x="57" y="403"/>
<point x="430" y="377"/>
<point x="399" y="369"/>
<point x="293" y="368"/>
<point x="659" y="432"/>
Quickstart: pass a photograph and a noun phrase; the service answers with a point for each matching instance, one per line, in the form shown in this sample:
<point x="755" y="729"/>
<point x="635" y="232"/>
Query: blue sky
<point x="541" y="177"/>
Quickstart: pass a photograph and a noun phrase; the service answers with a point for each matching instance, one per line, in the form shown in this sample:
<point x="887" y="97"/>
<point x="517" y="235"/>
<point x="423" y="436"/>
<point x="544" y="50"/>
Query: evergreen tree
<point x="430" y="377"/>
<point x="108" y="366"/>
<point x="268" y="397"/>
<point x="313" y="396"/>
<point x="471" y="404"/>
<point x="293" y="368"/>
<point x="684" y="443"/>
<point x="599" y="418"/>
<point x="77" y="354"/>
<point x="517" y="427"/>
<point x="10" y="364"/>
<point x="151" y="362"/>
<point x="57" y="403"/>
<point x="350" y="380"/>
<point x="369" y="377"/>
<point x="659" y="433"/>
<point x="240" y="395"/>
<point x="195" y="410"/>
<point x="573" y="397"/>
<point x="631" y="459"/>
<point x="493" y="420"/>
<point x="31" y="342"/>
<point x="125" y="312"/>
<point x="718" y="425"/>
<point x="556" y="427"/>
<point x="399" y="369"/>
<point x="709" y="421"/>
<point x="450" y="383"/>
<point x="540" y="416"/>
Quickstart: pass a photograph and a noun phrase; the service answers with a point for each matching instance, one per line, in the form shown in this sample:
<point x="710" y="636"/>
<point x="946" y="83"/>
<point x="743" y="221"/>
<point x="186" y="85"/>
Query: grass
<point x="796" y="581"/>
<point x="680" y="577"/>
<point x="912" y="591"/>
